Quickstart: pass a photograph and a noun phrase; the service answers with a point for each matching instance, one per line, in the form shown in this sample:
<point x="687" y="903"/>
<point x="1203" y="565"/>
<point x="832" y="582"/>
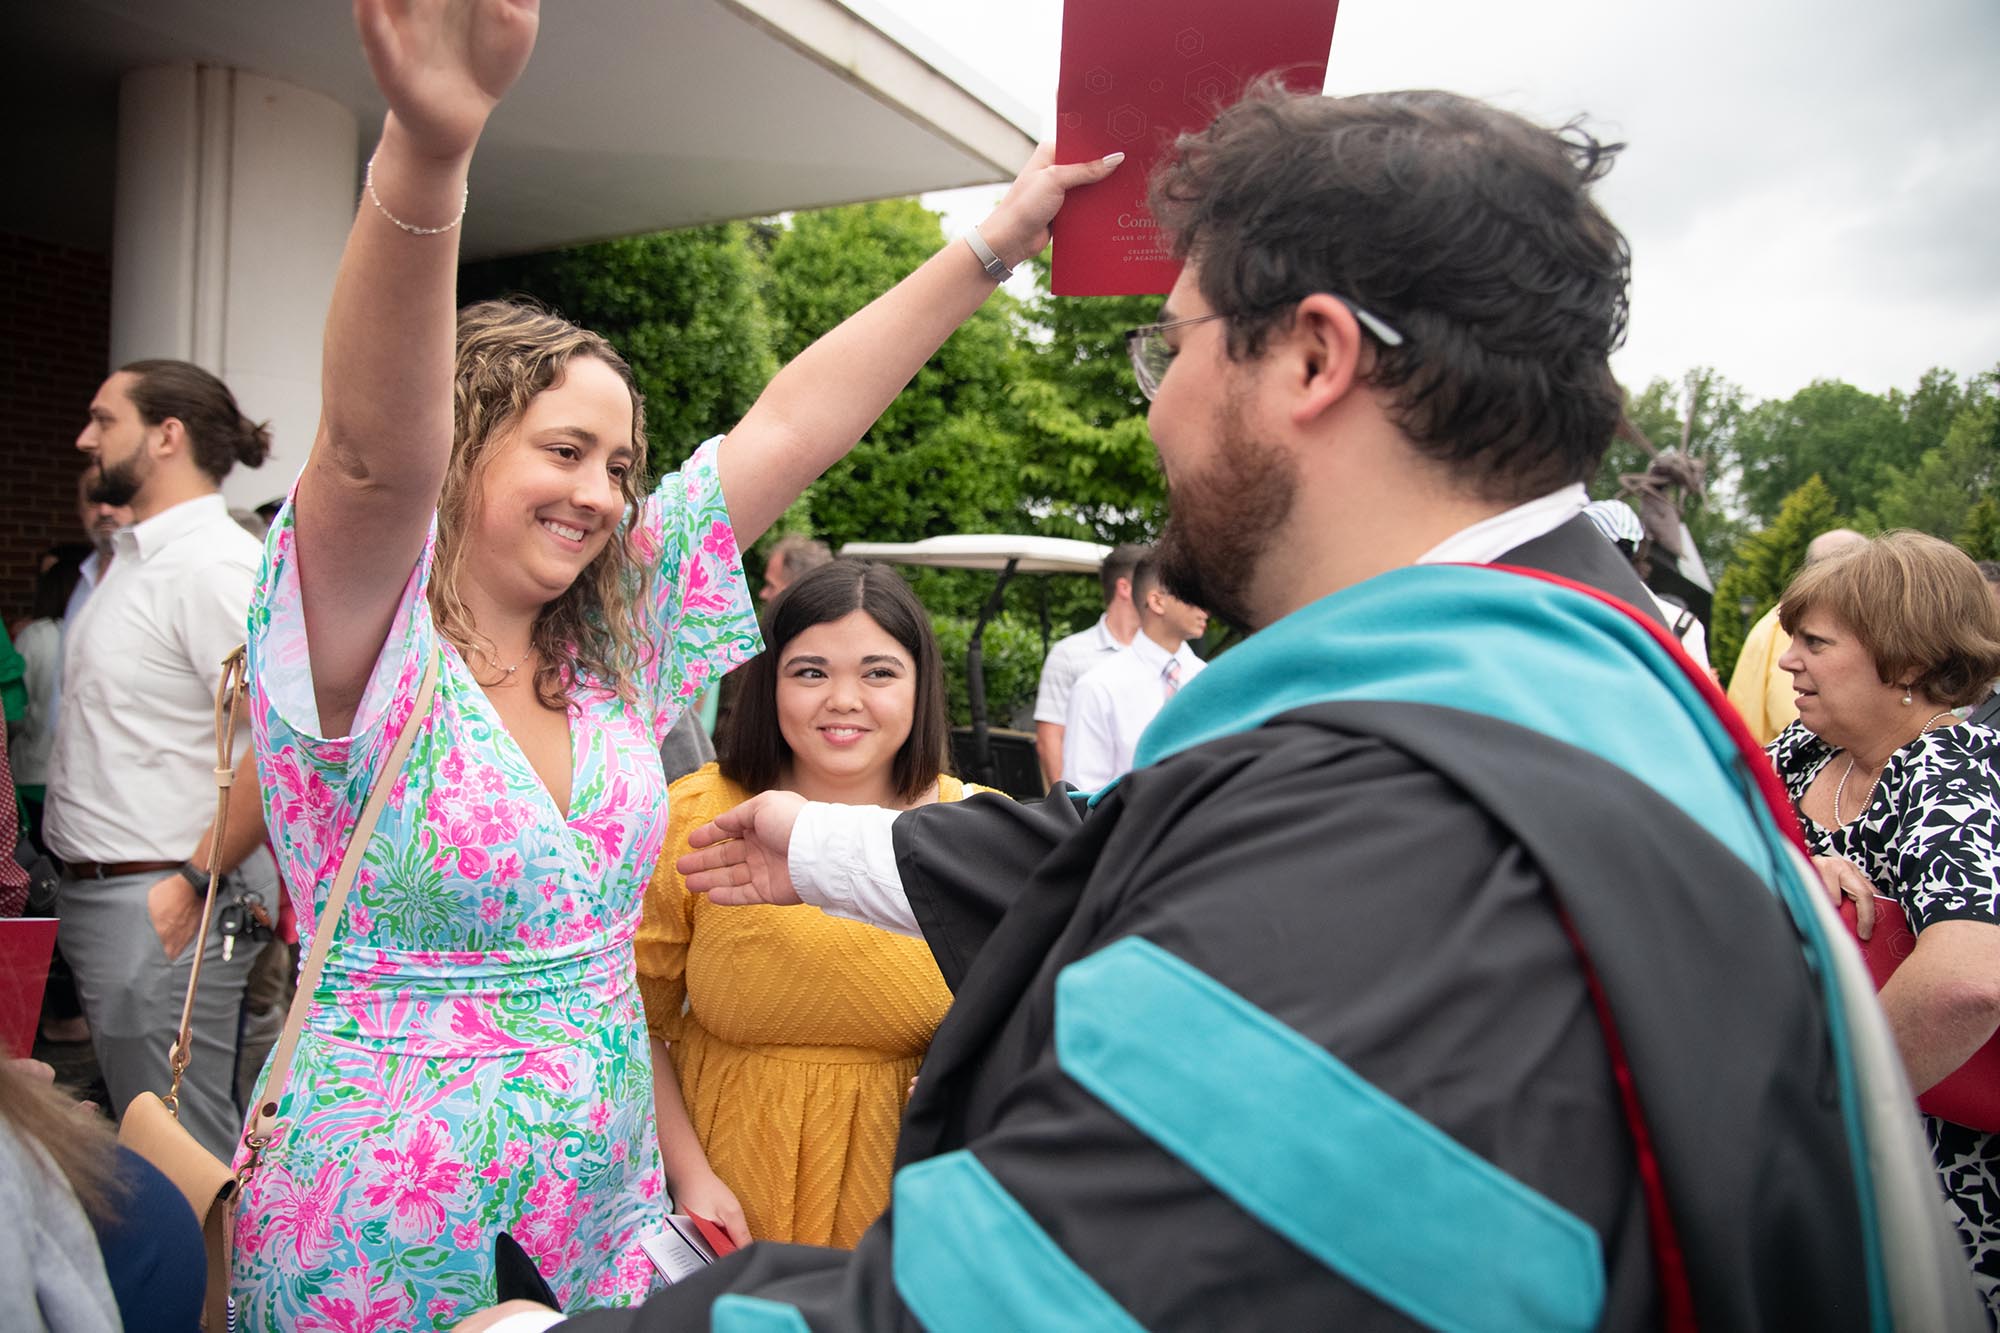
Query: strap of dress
<point x="258" y="1132"/>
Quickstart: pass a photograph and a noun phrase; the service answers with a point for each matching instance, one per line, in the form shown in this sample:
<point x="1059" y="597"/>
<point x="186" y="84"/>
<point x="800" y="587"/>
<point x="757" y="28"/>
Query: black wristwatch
<point x="196" y="877"/>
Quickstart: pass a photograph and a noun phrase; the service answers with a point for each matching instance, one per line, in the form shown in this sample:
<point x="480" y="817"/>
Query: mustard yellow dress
<point x="797" y="1040"/>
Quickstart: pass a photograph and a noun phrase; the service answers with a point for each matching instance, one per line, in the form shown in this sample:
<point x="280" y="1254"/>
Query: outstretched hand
<point x="1018" y="227"/>
<point x="742" y="855"/>
<point x="444" y="65"/>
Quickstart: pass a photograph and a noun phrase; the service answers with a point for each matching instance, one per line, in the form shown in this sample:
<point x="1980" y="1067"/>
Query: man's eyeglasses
<point x="1151" y="354"/>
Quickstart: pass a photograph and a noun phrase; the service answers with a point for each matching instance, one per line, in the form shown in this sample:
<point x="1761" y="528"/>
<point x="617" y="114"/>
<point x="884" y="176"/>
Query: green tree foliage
<point x="1088" y="460"/>
<point x="1858" y="443"/>
<point x="1011" y="653"/>
<point x="1981" y="537"/>
<point x="1088" y="468"/>
<point x="1765" y="563"/>
<point x="943" y="457"/>
<point x="681" y="306"/>
<point x="1939" y="493"/>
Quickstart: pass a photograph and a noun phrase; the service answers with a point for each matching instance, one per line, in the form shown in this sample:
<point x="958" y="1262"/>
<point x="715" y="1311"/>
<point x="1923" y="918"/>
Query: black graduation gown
<point x="1415" y="890"/>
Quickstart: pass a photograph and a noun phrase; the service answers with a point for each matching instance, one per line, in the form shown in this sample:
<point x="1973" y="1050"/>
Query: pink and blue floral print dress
<point x="475" y="1059"/>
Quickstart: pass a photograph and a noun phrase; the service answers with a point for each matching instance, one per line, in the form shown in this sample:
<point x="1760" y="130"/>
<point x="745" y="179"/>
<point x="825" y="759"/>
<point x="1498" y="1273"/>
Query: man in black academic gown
<point x="1442" y="962"/>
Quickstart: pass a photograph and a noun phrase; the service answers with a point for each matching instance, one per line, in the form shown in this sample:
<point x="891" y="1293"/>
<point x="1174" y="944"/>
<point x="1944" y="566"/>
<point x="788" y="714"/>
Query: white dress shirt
<point x="1490" y="538"/>
<point x="1112" y="704"/>
<point x="133" y="774"/>
<point x="1067" y="663"/>
<point x="843" y="858"/>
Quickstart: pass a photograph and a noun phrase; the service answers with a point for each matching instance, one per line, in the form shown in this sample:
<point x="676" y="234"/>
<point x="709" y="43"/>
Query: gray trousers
<point x="132" y="994"/>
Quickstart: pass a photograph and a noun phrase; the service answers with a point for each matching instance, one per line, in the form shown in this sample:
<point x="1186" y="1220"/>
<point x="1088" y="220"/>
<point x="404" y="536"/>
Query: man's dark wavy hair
<point x="1467" y="228"/>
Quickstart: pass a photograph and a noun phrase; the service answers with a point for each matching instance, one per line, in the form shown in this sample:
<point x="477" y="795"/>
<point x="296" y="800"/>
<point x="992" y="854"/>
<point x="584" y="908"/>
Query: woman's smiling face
<point x="553" y="493"/>
<point x="846" y="697"/>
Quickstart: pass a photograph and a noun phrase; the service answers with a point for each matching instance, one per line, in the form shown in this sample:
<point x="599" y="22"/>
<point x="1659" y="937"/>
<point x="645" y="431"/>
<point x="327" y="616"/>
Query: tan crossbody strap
<point x="258" y="1133"/>
<point x="229" y="692"/>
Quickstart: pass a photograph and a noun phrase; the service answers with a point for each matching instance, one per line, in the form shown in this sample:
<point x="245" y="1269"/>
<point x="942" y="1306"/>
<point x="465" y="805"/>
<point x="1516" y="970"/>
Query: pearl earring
<point x="1906" y="696"/>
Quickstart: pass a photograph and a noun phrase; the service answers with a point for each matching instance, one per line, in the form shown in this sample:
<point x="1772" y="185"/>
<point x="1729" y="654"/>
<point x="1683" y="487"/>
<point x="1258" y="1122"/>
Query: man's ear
<point x="1122" y="588"/>
<point x="1326" y="351"/>
<point x="173" y="437"/>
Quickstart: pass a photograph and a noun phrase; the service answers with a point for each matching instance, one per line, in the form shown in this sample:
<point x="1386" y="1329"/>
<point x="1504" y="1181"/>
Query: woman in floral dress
<point x="474" y="1060"/>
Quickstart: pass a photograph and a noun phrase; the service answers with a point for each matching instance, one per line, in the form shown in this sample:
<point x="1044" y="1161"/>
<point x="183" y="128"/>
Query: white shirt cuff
<point x="843" y="861"/>
<point x="528" y="1321"/>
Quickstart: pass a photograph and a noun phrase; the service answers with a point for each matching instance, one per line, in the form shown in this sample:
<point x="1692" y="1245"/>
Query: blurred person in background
<point x="99" y="521"/>
<point x="1621" y="527"/>
<point x="1077" y="653"/>
<point x="1115" y="699"/>
<point x="793" y="556"/>
<point x="39" y="640"/>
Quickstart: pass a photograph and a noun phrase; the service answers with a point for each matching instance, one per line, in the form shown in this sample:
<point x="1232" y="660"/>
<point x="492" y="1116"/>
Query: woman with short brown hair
<point x="1900" y="798"/>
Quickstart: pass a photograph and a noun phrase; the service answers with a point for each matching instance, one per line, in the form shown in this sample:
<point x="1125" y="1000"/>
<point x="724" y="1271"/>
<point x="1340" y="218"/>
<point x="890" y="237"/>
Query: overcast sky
<point x="1812" y="189"/>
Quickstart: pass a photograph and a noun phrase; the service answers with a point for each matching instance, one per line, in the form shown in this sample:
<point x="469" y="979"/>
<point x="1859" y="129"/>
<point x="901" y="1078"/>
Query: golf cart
<point x="998" y="757"/>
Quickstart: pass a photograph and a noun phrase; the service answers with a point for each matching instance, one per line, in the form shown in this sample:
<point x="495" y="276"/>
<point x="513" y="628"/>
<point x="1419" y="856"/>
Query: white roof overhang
<point x="634" y="116"/>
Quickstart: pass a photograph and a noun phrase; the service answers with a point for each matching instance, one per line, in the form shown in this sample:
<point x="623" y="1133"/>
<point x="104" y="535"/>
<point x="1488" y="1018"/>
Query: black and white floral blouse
<point x="1930" y="835"/>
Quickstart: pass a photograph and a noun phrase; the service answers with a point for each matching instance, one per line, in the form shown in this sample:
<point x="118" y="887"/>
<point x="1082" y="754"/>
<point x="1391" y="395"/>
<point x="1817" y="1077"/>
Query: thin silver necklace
<point x="1840" y="788"/>
<point x="507" y="673"/>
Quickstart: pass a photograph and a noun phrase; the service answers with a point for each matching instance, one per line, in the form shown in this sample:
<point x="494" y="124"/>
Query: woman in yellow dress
<point x="785" y="1040"/>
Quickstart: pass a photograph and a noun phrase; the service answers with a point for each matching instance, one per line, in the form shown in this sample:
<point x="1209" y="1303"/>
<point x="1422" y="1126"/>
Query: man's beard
<point x="1223" y="520"/>
<point x="118" y="483"/>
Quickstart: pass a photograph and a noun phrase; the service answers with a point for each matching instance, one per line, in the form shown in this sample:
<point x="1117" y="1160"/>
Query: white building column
<point x="235" y="193"/>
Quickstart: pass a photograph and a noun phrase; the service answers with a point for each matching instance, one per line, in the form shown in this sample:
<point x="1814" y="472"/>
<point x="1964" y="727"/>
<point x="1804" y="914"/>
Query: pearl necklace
<point x="1840" y="788"/>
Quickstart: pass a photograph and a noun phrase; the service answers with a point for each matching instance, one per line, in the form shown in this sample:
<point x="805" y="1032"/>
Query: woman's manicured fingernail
<point x="1113" y="159"/>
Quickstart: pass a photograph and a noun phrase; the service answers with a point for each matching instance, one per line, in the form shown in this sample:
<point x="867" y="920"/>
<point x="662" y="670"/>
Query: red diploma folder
<point x="1970" y="1095"/>
<point x="26" y="944"/>
<point x="712" y="1232"/>
<point x="1136" y="74"/>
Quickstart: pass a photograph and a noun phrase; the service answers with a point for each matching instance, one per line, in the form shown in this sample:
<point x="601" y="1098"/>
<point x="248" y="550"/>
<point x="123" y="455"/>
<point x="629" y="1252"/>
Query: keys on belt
<point x="243" y="916"/>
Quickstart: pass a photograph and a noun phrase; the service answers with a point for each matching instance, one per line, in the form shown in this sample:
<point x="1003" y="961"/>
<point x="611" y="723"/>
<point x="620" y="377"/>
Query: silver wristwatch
<point x="983" y="252"/>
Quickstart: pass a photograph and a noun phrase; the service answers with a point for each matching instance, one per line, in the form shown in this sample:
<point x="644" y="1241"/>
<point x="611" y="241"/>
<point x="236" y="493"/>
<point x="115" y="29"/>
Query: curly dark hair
<point x="1467" y="228"/>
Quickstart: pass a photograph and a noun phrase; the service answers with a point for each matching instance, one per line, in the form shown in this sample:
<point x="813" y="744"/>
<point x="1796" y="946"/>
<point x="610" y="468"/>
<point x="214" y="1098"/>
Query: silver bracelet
<point x="983" y="252"/>
<point x="368" y="179"/>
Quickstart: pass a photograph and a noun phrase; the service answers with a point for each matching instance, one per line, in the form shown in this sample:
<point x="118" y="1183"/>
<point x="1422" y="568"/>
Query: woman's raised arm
<point x="815" y="409"/>
<point x="366" y="498"/>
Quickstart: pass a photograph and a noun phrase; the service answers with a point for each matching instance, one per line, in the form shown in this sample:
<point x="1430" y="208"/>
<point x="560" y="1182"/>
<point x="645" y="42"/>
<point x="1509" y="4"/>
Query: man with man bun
<point x="131" y="790"/>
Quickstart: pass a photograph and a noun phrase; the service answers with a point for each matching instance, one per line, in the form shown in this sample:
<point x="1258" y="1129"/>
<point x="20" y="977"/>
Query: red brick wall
<point x="55" y="332"/>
